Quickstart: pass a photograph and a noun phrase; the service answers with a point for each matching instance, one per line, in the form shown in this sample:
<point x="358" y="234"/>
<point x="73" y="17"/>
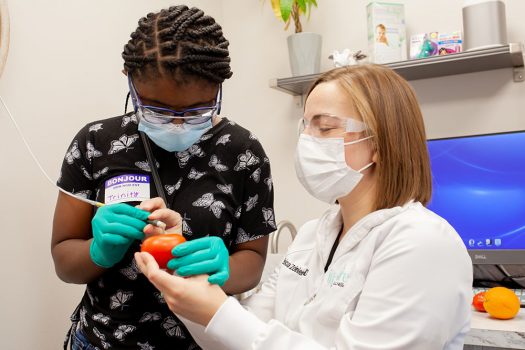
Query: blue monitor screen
<point x="479" y="188"/>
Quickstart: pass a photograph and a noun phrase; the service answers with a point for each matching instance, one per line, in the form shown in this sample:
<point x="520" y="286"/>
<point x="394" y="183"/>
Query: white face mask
<point x="321" y="167"/>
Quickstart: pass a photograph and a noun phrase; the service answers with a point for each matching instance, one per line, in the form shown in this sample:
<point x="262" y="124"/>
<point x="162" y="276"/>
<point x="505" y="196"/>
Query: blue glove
<point x="206" y="255"/>
<point x="115" y="227"/>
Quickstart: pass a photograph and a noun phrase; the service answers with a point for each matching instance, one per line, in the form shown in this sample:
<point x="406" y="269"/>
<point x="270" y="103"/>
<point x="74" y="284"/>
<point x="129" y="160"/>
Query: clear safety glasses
<point x="330" y="126"/>
<point x="160" y="115"/>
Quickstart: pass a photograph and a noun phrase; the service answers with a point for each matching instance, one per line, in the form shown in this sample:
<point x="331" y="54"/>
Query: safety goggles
<point x="330" y="126"/>
<point x="160" y="115"/>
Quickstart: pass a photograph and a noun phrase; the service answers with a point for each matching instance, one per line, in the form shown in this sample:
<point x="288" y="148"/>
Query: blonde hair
<point x="388" y="106"/>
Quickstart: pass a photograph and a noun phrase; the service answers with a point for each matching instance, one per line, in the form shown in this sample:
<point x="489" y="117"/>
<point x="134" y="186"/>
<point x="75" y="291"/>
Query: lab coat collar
<point x="330" y="223"/>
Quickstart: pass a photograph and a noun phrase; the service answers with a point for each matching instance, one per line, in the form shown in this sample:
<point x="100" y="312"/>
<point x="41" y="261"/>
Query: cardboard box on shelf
<point x="386" y="32"/>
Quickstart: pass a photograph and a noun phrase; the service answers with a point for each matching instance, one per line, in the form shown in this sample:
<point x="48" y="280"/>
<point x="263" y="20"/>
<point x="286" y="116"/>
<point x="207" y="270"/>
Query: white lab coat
<point x="401" y="278"/>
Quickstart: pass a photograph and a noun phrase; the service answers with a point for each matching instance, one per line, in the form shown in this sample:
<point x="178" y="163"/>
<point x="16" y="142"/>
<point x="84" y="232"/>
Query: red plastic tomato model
<point x="160" y="247"/>
<point x="478" y="300"/>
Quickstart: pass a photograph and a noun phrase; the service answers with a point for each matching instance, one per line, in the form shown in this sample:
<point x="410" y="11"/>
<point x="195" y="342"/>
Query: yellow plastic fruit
<point x="502" y="303"/>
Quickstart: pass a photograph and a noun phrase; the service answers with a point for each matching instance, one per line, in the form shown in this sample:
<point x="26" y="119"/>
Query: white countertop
<point x="487" y="331"/>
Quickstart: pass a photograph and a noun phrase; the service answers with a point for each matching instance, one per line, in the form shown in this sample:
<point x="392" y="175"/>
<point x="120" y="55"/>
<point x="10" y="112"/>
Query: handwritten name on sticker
<point x="127" y="188"/>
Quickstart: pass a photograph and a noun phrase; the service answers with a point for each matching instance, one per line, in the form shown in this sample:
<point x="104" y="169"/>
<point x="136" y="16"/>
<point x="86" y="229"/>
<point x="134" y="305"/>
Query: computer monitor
<point x="479" y="188"/>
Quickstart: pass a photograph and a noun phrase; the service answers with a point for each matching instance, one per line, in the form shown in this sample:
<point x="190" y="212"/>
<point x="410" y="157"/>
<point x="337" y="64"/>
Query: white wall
<point x="64" y="70"/>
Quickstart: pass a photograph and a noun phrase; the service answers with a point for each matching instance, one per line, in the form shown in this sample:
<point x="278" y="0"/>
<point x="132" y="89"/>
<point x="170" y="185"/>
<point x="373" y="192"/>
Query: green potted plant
<point x="304" y="48"/>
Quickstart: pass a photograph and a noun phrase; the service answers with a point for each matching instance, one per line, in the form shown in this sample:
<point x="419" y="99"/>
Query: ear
<point x="374" y="156"/>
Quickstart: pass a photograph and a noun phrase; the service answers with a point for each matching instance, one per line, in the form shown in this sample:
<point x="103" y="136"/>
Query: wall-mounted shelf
<point x="505" y="56"/>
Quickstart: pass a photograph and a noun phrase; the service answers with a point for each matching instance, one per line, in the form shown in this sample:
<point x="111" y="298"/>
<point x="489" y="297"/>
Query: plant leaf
<point x="302" y="5"/>
<point x="276" y="7"/>
<point x="286" y="9"/>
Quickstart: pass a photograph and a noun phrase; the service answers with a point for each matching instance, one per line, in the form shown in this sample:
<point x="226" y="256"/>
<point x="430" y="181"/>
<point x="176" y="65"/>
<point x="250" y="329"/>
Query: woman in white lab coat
<point x="378" y="270"/>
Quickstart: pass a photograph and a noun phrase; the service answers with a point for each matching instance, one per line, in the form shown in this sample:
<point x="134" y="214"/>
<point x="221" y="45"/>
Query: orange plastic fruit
<point x="160" y="247"/>
<point x="477" y="302"/>
<point x="502" y="303"/>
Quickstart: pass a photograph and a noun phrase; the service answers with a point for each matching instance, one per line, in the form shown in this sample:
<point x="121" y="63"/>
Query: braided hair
<point x="179" y="41"/>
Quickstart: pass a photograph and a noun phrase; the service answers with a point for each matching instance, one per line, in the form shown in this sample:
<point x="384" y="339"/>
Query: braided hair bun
<point x="179" y="41"/>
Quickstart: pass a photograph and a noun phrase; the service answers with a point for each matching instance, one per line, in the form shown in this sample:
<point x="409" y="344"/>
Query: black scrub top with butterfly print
<point x="221" y="186"/>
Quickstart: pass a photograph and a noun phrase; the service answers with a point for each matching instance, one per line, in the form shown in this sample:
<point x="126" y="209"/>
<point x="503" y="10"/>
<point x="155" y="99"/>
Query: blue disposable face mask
<point x="174" y="137"/>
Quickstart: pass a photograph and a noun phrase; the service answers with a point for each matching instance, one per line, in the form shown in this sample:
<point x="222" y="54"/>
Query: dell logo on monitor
<point x="480" y="257"/>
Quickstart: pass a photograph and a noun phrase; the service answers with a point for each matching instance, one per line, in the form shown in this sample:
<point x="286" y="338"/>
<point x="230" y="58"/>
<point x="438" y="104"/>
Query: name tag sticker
<point x="127" y="188"/>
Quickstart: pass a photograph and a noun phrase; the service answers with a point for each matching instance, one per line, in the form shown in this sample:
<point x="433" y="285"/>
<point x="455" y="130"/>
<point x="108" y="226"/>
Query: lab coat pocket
<point x="341" y="295"/>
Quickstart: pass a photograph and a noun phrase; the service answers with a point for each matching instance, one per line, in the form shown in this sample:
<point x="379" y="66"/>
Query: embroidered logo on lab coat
<point x="337" y="278"/>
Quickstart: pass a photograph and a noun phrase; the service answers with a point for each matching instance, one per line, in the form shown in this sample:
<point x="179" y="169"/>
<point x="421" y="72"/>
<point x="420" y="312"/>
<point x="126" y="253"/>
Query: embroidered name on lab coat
<point x="295" y="268"/>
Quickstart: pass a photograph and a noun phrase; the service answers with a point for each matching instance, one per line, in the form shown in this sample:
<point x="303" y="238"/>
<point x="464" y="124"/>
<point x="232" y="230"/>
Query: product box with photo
<point x="386" y="32"/>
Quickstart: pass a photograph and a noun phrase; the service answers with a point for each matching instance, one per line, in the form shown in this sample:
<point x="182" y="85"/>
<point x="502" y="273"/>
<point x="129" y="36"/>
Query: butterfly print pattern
<point x="143" y="165"/>
<point x="124" y="142"/>
<point x="242" y="236"/>
<point x="223" y="140"/>
<point x="227" y="229"/>
<point x="185" y="156"/>
<point x="92" y="152"/>
<point x="256" y="175"/>
<point x="145" y="346"/>
<point x="129" y="119"/>
<point x="132" y="271"/>
<point x="86" y="173"/>
<point x="238" y="212"/>
<point x="150" y="317"/>
<point x="207" y="201"/>
<point x="216" y="164"/>
<point x="84" y="194"/>
<point x="245" y="160"/>
<point x="206" y="137"/>
<point x="186" y="229"/>
<point x="73" y="153"/>
<point x="101" y="318"/>
<point x="120" y="299"/>
<point x="122" y="331"/>
<point x="195" y="175"/>
<point x="83" y="321"/>
<point x="101" y="172"/>
<point x="269" y="219"/>
<point x="95" y="127"/>
<point x="170" y="189"/>
<point x="173" y="328"/>
<point x="251" y="202"/>
<point x="227" y="189"/>
<point x="102" y="338"/>
<point x="268" y="181"/>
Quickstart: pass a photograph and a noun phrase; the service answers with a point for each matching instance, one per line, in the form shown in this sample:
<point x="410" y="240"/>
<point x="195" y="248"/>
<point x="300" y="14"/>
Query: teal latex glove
<point x="206" y="255"/>
<point x="115" y="227"/>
